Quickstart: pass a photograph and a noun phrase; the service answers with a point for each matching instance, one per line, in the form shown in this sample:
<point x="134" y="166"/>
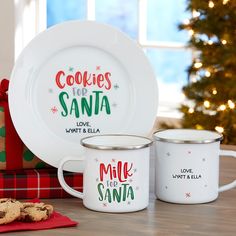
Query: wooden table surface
<point x="160" y="218"/>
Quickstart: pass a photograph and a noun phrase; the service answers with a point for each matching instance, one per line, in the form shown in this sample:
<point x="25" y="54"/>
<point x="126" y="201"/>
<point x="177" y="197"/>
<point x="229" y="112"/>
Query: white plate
<point x="73" y="63"/>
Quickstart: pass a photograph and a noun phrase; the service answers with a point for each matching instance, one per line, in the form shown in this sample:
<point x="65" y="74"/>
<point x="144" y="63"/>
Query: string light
<point x="193" y="79"/>
<point x="211" y="4"/>
<point x="223" y="41"/>
<point x="197" y="65"/>
<point x="210" y="42"/>
<point x="191" y="32"/>
<point x="231" y="104"/>
<point x="196" y="14"/>
<point x="219" y="129"/>
<point x="225" y="2"/>
<point x="197" y="126"/>
<point x="191" y="110"/>
<point x="206" y="104"/>
<point x="207" y="73"/>
<point x="214" y="91"/>
<point x="222" y="107"/>
<point x="186" y="22"/>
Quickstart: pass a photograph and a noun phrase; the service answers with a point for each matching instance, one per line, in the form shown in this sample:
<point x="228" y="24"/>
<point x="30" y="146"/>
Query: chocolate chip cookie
<point x="10" y="210"/>
<point x="32" y="212"/>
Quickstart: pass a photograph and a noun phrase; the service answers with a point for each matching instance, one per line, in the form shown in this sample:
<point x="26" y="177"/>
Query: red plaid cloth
<point x="40" y="183"/>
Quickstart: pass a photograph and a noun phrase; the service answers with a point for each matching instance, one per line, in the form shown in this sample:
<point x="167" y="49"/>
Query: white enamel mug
<point x="187" y="165"/>
<point x="116" y="174"/>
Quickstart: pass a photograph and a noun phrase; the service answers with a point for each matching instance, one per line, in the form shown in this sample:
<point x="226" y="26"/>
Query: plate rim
<point x="57" y="27"/>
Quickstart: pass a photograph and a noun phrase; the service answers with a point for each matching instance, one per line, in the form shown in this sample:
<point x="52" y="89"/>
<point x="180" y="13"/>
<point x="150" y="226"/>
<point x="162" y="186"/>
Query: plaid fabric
<point x="40" y="183"/>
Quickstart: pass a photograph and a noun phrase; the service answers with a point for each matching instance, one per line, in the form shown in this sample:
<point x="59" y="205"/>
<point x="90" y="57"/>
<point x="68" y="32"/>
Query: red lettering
<point x="104" y="170"/>
<point x="83" y="78"/>
<point x="100" y="79"/>
<point x="107" y="75"/>
<point x="58" y="79"/>
<point x="78" y="77"/>
<point x="70" y="80"/>
<point x="121" y="171"/>
<point x="126" y="170"/>
<point x="86" y="79"/>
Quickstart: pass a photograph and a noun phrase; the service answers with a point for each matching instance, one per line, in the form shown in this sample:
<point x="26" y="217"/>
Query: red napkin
<point x="55" y="221"/>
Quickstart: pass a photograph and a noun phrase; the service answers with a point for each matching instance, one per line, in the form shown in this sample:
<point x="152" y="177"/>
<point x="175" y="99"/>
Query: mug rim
<point x="186" y="141"/>
<point x="113" y="147"/>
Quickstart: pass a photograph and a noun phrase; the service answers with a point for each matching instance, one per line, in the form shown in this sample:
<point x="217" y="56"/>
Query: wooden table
<point x="160" y="218"/>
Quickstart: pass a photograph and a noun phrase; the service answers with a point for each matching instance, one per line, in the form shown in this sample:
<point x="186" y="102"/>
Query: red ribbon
<point x="13" y="143"/>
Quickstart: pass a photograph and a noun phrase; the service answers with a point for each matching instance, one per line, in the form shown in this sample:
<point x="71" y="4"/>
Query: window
<point x="153" y="23"/>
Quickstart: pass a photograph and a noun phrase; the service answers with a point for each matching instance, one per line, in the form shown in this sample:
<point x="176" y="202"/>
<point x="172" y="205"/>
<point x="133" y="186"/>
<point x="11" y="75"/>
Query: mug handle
<point x="232" y="184"/>
<point x="61" y="179"/>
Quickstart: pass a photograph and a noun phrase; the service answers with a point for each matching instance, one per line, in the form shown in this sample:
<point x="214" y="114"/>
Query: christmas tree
<point x="211" y="90"/>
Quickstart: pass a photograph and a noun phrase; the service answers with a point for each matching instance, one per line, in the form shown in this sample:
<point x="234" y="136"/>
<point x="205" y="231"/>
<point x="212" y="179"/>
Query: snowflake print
<point x="187" y="195"/>
<point x="54" y="110"/>
<point x="116" y="86"/>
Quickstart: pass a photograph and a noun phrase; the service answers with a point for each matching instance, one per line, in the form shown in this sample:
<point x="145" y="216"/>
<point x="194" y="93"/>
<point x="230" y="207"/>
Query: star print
<point x="137" y="188"/>
<point x="116" y="86"/>
<point x="113" y="160"/>
<point x="98" y="67"/>
<point x="54" y="110"/>
<point x="135" y="170"/>
<point x="205" y="185"/>
<point x="114" y="105"/>
<point x="129" y="202"/>
<point x="166" y="187"/>
<point x="130" y="180"/>
<point x="96" y="159"/>
<point x="187" y="195"/>
<point x="189" y="152"/>
<point x="104" y="204"/>
<point x="203" y="159"/>
<point x="168" y="154"/>
<point x="71" y="68"/>
<point x="50" y="90"/>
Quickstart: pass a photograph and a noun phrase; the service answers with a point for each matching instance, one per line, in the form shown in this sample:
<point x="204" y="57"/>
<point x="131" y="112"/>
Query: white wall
<point x="7" y="22"/>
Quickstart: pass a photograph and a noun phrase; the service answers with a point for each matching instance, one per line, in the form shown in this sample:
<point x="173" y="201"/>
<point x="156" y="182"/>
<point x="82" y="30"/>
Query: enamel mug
<point x="187" y="165"/>
<point x="116" y="174"/>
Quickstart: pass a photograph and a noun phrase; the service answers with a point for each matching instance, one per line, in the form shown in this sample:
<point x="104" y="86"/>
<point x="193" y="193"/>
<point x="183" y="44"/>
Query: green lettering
<point x="124" y="193"/>
<point x="130" y="192"/>
<point x="86" y="106"/>
<point x="100" y="187"/>
<point x="105" y="103"/>
<point x="116" y="195"/>
<point x="74" y="107"/>
<point x="96" y="110"/>
<point x="108" y="195"/>
<point x="63" y="104"/>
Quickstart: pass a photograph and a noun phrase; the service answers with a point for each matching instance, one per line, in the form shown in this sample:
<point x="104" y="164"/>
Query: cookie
<point x="10" y="210"/>
<point x="32" y="212"/>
